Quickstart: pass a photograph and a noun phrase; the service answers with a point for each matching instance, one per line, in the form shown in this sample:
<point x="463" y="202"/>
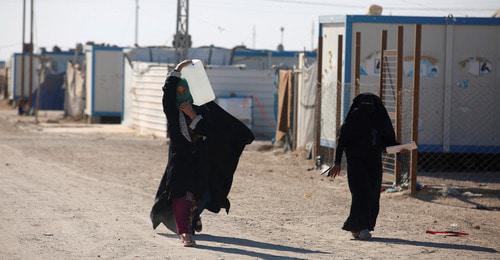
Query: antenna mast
<point x="182" y="39"/>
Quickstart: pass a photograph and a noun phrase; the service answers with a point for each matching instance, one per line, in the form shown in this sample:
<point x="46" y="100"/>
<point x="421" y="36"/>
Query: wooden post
<point x="383" y="47"/>
<point x="6" y="91"/>
<point x="339" y="81"/>
<point x="30" y="97"/>
<point x="416" y="100"/>
<point x="357" y="63"/>
<point x="22" y="54"/>
<point x="317" y="114"/>
<point x="399" y="87"/>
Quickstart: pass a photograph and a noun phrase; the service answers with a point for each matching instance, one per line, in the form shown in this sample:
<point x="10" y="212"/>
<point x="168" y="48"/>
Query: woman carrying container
<point x="205" y="145"/>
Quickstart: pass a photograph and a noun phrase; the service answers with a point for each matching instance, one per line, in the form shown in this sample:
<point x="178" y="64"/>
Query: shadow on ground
<point x="431" y="194"/>
<point x="433" y="244"/>
<point x="247" y="243"/>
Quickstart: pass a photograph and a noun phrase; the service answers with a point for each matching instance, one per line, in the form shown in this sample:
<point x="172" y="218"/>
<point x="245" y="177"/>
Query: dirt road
<point x="71" y="192"/>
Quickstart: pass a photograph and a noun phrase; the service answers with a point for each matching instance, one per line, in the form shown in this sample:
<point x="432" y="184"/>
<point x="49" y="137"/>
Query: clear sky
<point x="223" y="23"/>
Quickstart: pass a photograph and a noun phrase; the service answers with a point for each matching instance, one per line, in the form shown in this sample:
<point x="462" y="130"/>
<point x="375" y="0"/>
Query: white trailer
<point x="104" y="81"/>
<point x="460" y="76"/>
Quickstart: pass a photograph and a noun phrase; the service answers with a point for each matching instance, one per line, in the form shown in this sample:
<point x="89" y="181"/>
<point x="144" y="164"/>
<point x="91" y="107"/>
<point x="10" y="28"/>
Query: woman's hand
<point x="183" y="64"/>
<point x="334" y="171"/>
<point x="187" y="109"/>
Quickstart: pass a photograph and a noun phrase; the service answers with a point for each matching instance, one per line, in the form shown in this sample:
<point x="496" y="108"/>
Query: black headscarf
<point x="367" y="125"/>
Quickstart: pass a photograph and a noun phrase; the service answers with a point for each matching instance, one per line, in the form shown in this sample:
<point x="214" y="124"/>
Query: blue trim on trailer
<point x="265" y="53"/>
<point x="106" y="48"/>
<point x="103" y="113"/>
<point x="438" y="148"/>
<point x="425" y="20"/>
<point x="411" y="19"/>
<point x="347" y="66"/>
<point x="63" y="53"/>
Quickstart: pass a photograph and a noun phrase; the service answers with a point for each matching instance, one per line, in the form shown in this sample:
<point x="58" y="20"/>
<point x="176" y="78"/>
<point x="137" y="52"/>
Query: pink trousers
<point x="184" y="208"/>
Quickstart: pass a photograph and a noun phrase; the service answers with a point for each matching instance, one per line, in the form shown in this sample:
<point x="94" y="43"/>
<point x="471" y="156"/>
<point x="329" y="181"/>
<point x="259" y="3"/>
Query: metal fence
<point x="455" y="125"/>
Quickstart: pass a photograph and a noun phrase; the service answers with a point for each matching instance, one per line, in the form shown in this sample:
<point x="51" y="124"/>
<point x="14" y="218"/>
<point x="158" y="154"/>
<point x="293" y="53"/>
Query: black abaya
<point x="367" y="131"/>
<point x="204" y="167"/>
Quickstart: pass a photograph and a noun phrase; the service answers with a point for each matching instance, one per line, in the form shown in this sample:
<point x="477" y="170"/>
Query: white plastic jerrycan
<point x="198" y="82"/>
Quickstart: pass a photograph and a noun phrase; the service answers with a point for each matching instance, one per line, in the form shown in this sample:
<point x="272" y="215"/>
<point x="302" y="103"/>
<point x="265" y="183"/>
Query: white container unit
<point x="104" y="81"/>
<point x="245" y="93"/>
<point x="460" y="76"/>
<point x="239" y="107"/>
<point x="14" y="84"/>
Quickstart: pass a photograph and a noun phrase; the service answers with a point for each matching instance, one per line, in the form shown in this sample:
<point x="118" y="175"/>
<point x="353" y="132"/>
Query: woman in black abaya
<point x="365" y="134"/>
<point x="205" y="146"/>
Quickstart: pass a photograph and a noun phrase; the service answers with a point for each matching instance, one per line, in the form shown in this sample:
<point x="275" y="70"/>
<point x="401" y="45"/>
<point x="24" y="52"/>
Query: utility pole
<point x="280" y="46"/>
<point x="30" y="100"/>
<point x="254" y="37"/>
<point x="182" y="39"/>
<point x="312" y="36"/>
<point x="136" y="42"/>
<point x="282" y="29"/>
<point x="23" y="50"/>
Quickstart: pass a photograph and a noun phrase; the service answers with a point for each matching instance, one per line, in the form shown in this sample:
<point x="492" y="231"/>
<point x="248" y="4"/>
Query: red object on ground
<point x="447" y="233"/>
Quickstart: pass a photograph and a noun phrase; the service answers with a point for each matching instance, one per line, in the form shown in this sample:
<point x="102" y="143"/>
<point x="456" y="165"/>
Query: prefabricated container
<point x="14" y="84"/>
<point x="460" y="76"/>
<point x="104" y="81"/>
<point x="239" y="107"/>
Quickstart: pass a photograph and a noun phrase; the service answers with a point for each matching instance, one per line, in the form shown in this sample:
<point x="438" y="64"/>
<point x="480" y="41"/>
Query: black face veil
<point x="368" y="117"/>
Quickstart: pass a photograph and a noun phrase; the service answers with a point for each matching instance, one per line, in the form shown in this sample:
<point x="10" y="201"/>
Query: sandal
<point x="187" y="240"/>
<point x="198" y="226"/>
<point x="365" y="234"/>
<point x="355" y="235"/>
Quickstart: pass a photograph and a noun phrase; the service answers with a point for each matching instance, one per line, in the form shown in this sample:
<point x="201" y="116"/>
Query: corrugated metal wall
<point x="143" y="108"/>
<point x="246" y="82"/>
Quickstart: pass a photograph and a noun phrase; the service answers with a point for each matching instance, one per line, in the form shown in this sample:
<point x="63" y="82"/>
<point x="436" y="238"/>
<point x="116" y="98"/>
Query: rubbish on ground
<point x="454" y="227"/>
<point x="470" y="194"/>
<point x="449" y="191"/>
<point x="393" y="189"/>
<point x="447" y="233"/>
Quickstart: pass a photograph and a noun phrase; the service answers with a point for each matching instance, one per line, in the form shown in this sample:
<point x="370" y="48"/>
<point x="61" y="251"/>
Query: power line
<point x="314" y="3"/>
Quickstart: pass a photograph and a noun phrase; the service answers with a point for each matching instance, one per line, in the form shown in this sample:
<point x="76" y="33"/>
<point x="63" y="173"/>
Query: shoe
<point x="198" y="226"/>
<point x="364" y="234"/>
<point x="187" y="240"/>
<point x="355" y="235"/>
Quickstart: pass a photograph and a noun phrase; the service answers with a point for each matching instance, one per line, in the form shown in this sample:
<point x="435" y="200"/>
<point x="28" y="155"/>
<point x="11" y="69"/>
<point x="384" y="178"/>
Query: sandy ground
<point x="71" y="191"/>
